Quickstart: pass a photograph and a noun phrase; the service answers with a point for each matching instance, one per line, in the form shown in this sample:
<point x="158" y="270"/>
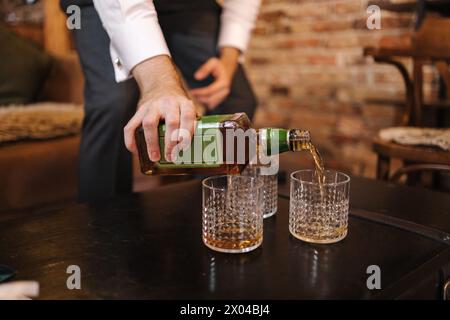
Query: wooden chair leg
<point x="383" y="167"/>
<point x="444" y="91"/>
<point x="418" y="92"/>
<point x="444" y="72"/>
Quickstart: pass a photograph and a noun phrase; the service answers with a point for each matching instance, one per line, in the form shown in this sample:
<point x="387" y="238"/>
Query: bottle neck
<point x="276" y="140"/>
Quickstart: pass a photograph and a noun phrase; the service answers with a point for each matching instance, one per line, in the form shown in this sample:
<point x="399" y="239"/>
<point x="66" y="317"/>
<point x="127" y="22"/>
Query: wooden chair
<point x="430" y="45"/>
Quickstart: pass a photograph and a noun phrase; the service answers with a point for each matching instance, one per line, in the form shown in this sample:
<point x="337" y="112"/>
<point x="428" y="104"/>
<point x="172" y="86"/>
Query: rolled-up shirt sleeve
<point x="237" y="22"/>
<point x="134" y="32"/>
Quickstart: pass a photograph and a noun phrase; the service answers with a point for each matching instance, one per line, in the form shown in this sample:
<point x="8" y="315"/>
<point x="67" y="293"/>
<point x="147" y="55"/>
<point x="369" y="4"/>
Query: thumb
<point x="205" y="69"/>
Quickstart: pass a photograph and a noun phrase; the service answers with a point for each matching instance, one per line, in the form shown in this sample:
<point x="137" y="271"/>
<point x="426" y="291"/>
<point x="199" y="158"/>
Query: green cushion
<point x="23" y="69"/>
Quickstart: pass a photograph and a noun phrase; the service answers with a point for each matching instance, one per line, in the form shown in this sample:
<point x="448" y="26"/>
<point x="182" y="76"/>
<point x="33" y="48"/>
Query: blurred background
<point x="311" y="65"/>
<point x="308" y="68"/>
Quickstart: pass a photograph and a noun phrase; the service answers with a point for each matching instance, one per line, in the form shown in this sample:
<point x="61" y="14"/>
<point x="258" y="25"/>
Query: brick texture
<point x="307" y="67"/>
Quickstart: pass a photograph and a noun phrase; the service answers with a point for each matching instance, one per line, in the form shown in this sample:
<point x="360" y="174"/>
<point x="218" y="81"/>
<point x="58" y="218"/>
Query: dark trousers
<point x="105" y="167"/>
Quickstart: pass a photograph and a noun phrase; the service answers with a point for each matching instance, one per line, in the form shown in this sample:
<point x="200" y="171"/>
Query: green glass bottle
<point x="222" y="144"/>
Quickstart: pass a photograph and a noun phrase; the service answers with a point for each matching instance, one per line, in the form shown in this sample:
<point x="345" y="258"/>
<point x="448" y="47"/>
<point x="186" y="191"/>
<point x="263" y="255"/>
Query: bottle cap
<point x="299" y="135"/>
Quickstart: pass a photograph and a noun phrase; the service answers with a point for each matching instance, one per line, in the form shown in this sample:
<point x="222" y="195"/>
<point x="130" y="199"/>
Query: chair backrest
<point x="432" y="40"/>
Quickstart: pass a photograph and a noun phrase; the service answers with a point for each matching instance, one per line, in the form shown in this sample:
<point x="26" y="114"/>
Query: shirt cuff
<point x="233" y="34"/>
<point x="133" y="42"/>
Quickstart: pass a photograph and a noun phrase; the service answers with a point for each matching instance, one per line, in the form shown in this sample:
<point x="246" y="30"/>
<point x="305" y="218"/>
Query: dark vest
<point x="177" y="16"/>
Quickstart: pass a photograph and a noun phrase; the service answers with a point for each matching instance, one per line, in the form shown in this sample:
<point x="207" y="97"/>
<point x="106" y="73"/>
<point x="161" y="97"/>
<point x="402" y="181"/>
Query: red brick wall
<point x="307" y="67"/>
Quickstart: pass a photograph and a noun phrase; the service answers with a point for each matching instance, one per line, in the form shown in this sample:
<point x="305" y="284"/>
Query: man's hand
<point x="162" y="97"/>
<point x="222" y="70"/>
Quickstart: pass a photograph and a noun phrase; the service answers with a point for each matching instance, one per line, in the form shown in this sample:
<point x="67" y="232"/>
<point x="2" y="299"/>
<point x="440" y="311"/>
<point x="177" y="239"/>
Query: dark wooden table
<point x="149" y="246"/>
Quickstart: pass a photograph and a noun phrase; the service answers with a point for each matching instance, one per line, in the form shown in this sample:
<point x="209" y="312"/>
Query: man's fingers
<point x="130" y="128"/>
<point x="172" y="120"/>
<point x="187" y="124"/>
<point x="213" y="88"/>
<point x="214" y="100"/>
<point x="178" y="113"/>
<point x="206" y="68"/>
<point x="150" y="125"/>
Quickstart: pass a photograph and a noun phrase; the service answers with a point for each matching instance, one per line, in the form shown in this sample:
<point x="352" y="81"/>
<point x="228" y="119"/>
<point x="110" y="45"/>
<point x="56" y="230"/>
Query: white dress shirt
<point x="135" y="34"/>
